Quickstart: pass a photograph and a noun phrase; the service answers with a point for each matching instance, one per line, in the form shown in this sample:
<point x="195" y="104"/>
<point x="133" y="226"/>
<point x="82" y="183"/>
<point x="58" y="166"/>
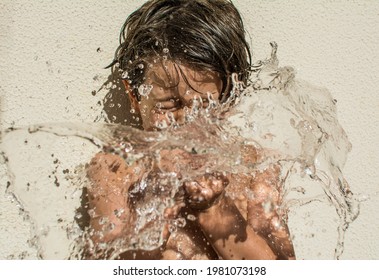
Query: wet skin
<point x="172" y="96"/>
<point x="224" y="227"/>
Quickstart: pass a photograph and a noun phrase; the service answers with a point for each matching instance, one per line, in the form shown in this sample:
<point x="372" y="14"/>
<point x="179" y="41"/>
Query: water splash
<point x="299" y="121"/>
<point x="293" y="123"/>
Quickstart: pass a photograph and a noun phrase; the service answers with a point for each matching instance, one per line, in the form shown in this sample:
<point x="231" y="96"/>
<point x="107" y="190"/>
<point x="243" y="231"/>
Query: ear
<point x="132" y="97"/>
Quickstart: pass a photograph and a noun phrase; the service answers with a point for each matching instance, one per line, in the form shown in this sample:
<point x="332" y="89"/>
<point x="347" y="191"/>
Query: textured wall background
<point x="52" y="55"/>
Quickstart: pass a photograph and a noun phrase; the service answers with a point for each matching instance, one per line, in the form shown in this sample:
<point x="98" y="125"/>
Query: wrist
<point x="214" y="212"/>
<point x="216" y="203"/>
<point x="221" y="219"/>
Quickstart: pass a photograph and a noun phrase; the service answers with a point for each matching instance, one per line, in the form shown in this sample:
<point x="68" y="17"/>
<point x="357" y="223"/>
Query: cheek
<point x="215" y="90"/>
<point x="145" y="113"/>
<point x="151" y="119"/>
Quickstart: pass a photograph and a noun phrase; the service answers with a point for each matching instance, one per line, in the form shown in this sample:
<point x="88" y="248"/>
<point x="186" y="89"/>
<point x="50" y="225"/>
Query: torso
<point x="190" y="243"/>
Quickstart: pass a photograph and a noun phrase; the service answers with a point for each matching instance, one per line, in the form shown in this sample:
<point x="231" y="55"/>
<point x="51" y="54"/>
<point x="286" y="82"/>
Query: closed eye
<point x="168" y="105"/>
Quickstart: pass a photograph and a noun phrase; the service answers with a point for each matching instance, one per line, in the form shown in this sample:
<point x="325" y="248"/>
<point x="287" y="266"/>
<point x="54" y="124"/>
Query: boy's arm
<point x="230" y="234"/>
<point x="110" y="180"/>
<point x="221" y="221"/>
<point x="110" y="211"/>
<point x="260" y="234"/>
<point x="263" y="215"/>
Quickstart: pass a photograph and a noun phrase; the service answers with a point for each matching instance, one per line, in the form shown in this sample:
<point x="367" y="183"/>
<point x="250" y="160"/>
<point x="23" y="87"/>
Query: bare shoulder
<point x="110" y="178"/>
<point x="264" y="203"/>
<point x="108" y="170"/>
<point x="265" y="179"/>
<point x="103" y="163"/>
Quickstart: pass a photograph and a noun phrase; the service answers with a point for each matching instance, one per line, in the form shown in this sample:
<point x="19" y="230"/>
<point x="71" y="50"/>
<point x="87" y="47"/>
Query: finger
<point x="217" y="186"/>
<point x="207" y="193"/>
<point x="192" y="187"/>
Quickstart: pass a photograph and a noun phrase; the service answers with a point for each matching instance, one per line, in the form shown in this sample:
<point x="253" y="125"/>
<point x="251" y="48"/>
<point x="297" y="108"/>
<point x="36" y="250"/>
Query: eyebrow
<point x="160" y="81"/>
<point x="171" y="77"/>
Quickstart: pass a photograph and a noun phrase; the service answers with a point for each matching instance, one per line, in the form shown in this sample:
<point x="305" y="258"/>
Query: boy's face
<point x="171" y="95"/>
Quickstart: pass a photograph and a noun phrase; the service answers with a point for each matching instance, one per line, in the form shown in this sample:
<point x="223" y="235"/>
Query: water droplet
<point x="110" y="227"/>
<point x="119" y="212"/>
<point x="125" y="75"/>
<point x="144" y="89"/>
<point x="172" y="228"/>
<point x="267" y="207"/>
<point x="92" y="213"/>
<point x="180" y="222"/>
<point x="78" y="216"/>
<point x="158" y="105"/>
<point x="127" y="147"/>
<point x="103" y="220"/>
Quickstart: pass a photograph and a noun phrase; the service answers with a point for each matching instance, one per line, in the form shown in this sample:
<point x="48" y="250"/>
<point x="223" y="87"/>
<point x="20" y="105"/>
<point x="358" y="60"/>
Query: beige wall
<point x="50" y="64"/>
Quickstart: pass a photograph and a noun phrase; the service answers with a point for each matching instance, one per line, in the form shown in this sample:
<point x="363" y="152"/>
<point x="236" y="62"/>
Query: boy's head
<point x="207" y="36"/>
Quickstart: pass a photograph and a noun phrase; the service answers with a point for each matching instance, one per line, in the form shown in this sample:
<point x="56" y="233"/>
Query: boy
<point x="177" y="54"/>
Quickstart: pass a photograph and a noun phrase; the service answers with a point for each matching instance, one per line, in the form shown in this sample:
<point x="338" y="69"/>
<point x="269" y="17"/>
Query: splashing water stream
<point x="291" y="122"/>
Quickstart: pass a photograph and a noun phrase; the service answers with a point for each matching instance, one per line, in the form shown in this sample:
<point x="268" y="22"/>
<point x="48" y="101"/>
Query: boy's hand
<point x="203" y="192"/>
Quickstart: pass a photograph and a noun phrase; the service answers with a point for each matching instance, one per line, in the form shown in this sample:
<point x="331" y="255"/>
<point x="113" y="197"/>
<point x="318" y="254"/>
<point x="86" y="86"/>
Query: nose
<point x="190" y="104"/>
<point x="181" y="114"/>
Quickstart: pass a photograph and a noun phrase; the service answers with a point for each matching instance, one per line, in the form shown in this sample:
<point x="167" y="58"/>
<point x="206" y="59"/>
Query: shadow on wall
<point x="1" y="110"/>
<point x="116" y="105"/>
<point x="116" y="110"/>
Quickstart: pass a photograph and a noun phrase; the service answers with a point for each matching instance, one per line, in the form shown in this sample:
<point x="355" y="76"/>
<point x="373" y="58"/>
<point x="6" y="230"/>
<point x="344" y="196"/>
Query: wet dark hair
<point x="201" y="34"/>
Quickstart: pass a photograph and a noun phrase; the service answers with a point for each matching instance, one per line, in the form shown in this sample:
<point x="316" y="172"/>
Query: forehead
<point x="170" y="72"/>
